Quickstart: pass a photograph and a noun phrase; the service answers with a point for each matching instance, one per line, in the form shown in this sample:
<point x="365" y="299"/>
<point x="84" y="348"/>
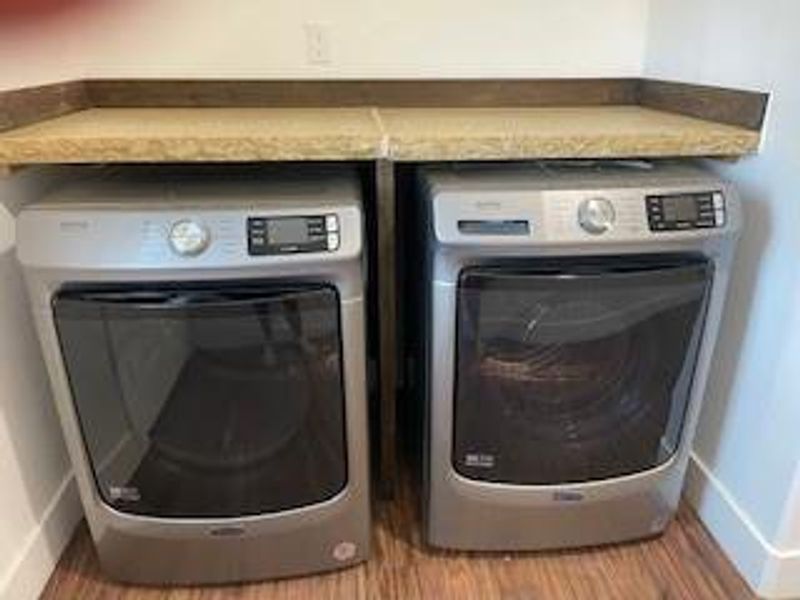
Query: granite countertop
<point x="403" y="134"/>
<point x="580" y="132"/>
<point x="195" y="134"/>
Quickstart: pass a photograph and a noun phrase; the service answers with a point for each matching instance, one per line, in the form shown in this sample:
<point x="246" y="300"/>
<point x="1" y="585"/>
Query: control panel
<point x="679" y="212"/>
<point x="291" y="235"/>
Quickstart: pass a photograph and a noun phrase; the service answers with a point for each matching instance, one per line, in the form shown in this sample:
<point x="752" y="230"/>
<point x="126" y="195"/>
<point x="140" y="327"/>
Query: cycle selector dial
<point x="189" y="238"/>
<point x="596" y="215"/>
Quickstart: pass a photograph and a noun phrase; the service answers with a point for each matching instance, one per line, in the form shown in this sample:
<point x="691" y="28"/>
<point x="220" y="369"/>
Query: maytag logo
<point x="73" y="226"/>
<point x="488" y="205"/>
<point x="567" y="496"/>
<point x="229" y="531"/>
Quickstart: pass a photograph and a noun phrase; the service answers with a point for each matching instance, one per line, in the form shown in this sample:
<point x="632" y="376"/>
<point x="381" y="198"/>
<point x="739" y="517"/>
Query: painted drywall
<point x="366" y="38"/>
<point x="748" y="448"/>
<point x="39" y="502"/>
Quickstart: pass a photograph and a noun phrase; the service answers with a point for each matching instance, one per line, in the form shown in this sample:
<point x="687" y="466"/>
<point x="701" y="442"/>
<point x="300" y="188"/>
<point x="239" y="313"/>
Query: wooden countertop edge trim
<point x="727" y="106"/>
<point x="724" y="105"/>
<point x="26" y="106"/>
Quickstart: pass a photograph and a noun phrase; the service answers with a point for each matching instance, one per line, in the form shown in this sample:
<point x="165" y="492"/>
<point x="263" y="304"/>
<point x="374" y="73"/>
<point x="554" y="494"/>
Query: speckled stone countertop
<point x="196" y="134"/>
<point x="581" y="132"/>
<point x="403" y="134"/>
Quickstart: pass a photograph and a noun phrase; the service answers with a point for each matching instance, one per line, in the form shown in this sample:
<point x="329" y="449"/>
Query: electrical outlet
<point x="318" y="43"/>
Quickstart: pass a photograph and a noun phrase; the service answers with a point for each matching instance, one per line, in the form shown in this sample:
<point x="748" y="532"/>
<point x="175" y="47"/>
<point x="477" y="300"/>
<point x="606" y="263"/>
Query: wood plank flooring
<point x="684" y="563"/>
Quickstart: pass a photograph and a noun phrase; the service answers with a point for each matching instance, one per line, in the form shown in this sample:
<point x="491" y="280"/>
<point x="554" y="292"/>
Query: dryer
<point x="204" y="334"/>
<point x="571" y="312"/>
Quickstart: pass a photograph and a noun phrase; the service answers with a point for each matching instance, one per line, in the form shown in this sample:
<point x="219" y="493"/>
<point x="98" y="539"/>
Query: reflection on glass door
<point x="200" y="401"/>
<point x="574" y="371"/>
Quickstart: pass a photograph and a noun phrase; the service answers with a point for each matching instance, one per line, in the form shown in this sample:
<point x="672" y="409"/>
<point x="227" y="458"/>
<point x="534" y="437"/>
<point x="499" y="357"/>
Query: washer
<point x="571" y="312"/>
<point x="204" y="334"/>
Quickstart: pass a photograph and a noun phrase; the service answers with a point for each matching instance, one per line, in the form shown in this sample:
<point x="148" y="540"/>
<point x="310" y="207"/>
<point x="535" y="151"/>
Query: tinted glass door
<point x="199" y="401"/>
<point x="574" y="371"/>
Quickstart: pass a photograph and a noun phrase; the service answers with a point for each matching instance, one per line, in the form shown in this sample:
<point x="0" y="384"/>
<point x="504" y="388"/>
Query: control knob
<point x="596" y="215"/>
<point x="188" y="237"/>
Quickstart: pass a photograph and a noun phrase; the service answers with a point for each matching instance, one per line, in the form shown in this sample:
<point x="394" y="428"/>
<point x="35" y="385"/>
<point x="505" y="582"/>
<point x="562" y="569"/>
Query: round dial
<point x="596" y="215"/>
<point x="189" y="238"/>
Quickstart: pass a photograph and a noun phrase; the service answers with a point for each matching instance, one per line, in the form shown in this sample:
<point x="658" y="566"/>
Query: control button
<point x="332" y="223"/>
<point x="189" y="238"/>
<point x="719" y="217"/>
<point x="596" y="215"/>
<point x="719" y="201"/>
<point x="333" y="241"/>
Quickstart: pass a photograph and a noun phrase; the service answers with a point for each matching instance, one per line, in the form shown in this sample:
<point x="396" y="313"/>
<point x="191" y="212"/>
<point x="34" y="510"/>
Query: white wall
<point x="38" y="499"/>
<point x="368" y="38"/>
<point x="746" y="481"/>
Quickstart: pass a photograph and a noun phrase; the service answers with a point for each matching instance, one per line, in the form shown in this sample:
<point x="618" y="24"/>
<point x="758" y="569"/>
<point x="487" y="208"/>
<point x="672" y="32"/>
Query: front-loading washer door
<point x="207" y="400"/>
<point x="573" y="371"/>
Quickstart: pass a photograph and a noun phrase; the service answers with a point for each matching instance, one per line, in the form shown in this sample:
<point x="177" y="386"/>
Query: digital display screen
<point x="680" y="208"/>
<point x="291" y="230"/>
<point x="677" y="212"/>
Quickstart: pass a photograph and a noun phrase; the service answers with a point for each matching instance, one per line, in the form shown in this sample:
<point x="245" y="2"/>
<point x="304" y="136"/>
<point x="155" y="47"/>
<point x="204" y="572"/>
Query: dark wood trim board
<point x="29" y="105"/>
<point x="380" y="93"/>
<point x="389" y="351"/>
<point x="722" y="105"/>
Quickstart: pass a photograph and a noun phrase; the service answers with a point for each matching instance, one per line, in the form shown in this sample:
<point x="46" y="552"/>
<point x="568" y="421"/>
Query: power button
<point x="188" y="237"/>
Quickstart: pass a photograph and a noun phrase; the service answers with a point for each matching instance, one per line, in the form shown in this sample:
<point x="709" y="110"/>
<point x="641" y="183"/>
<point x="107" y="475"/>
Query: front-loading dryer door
<point x="207" y="400"/>
<point x="573" y="371"/>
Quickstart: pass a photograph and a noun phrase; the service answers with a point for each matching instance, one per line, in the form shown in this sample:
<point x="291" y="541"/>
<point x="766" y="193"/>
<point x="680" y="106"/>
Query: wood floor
<point x="684" y="563"/>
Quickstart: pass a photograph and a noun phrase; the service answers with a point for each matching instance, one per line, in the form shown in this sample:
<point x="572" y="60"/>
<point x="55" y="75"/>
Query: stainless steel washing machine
<point x="571" y="311"/>
<point x="204" y="333"/>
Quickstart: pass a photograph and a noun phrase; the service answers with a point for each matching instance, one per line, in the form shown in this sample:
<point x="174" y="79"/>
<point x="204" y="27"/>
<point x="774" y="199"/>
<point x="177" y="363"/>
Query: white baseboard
<point x="782" y="577"/>
<point x="770" y="572"/>
<point x="37" y="557"/>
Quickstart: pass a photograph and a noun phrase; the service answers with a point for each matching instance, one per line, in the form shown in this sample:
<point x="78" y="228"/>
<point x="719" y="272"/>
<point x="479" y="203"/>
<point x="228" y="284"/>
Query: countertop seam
<point x="384" y="144"/>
